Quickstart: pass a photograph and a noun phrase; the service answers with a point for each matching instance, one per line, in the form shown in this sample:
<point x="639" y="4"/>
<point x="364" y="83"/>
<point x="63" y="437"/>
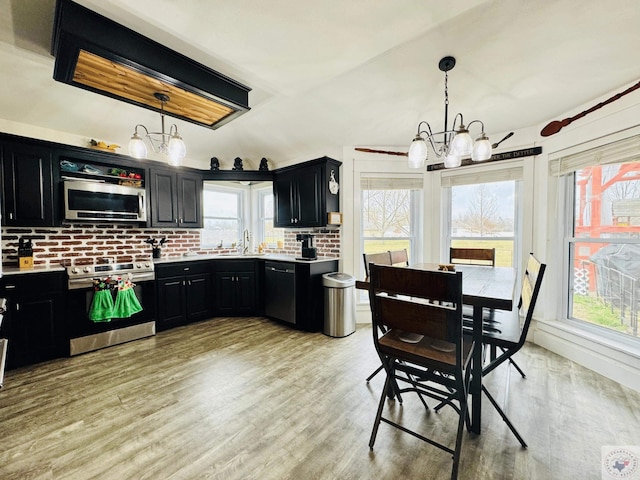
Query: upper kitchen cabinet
<point x="306" y="192"/>
<point x="176" y="198"/>
<point x="27" y="187"/>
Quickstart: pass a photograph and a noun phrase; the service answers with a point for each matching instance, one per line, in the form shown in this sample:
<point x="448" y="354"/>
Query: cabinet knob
<point x="10" y="215"/>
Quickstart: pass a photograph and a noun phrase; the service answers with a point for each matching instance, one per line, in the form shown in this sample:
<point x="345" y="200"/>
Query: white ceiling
<point x="331" y="73"/>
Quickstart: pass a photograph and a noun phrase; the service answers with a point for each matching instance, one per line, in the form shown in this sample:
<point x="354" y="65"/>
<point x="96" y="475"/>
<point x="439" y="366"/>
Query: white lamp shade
<point x="461" y="143"/>
<point x="177" y="151"/>
<point x="417" y="153"/>
<point x="452" y="161"/>
<point x="137" y="147"/>
<point x="481" y="149"/>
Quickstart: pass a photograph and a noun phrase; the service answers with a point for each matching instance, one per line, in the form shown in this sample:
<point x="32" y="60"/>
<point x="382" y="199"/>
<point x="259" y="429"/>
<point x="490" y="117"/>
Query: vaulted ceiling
<point x="331" y="73"/>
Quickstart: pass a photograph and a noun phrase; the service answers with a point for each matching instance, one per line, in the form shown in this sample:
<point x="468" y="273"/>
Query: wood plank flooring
<point x="248" y="398"/>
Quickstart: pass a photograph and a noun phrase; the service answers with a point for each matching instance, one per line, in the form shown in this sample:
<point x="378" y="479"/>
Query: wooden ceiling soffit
<point x="99" y="55"/>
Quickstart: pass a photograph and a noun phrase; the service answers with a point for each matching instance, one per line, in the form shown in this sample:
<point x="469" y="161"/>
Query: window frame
<point x="416" y="215"/>
<point x="567" y="183"/>
<point x="242" y="205"/>
<point x="518" y="233"/>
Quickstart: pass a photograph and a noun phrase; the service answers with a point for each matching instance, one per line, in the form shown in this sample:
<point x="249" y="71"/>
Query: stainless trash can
<point x="339" y="304"/>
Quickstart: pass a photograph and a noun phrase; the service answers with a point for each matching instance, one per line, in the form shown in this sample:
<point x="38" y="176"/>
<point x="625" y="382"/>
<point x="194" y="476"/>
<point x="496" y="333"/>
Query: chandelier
<point x="454" y="143"/>
<point x="169" y="144"/>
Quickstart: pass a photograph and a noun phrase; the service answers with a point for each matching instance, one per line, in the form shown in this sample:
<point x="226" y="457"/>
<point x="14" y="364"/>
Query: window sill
<point x="617" y="360"/>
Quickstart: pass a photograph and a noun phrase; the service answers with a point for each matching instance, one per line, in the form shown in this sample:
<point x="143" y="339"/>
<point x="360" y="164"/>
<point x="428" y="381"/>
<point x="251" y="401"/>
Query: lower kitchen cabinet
<point x="183" y="292"/>
<point x="33" y="321"/>
<point x="294" y="292"/>
<point x="235" y="285"/>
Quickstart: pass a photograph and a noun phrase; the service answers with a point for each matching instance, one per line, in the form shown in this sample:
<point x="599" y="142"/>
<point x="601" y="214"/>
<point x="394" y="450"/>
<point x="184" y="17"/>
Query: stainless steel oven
<point x="87" y="335"/>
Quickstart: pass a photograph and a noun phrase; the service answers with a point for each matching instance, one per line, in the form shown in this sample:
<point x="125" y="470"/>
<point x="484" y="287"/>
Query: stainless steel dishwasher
<point x="280" y="291"/>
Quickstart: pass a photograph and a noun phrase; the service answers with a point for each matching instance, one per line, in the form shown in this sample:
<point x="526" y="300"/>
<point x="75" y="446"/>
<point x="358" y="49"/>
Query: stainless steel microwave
<point x="87" y="200"/>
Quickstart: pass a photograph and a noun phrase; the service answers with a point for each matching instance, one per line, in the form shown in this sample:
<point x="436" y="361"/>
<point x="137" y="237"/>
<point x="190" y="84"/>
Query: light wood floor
<point x="251" y="399"/>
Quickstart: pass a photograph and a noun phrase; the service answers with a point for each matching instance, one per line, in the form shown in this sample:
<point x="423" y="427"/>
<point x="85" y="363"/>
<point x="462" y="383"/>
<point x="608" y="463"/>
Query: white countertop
<point x="227" y="256"/>
<point x="7" y="271"/>
<point x="10" y="270"/>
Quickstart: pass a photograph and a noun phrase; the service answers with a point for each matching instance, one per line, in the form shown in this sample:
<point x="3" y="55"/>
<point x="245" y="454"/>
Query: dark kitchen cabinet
<point x="33" y="322"/>
<point x="302" y="196"/>
<point x="183" y="292"/>
<point x="176" y="198"/>
<point x="27" y="185"/>
<point x="235" y="285"/>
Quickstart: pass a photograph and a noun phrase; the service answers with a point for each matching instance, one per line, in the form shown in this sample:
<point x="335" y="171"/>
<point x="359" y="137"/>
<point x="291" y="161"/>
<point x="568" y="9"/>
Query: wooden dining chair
<point x="511" y="332"/>
<point x="473" y="256"/>
<point x="423" y="350"/>
<point x="399" y="257"/>
<point x="379" y="258"/>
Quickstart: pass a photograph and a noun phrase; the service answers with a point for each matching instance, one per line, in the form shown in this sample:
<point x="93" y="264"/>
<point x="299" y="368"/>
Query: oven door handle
<point x="143" y="277"/>
<point x="87" y="282"/>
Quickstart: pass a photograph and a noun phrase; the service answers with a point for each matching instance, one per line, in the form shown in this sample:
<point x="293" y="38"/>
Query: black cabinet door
<point x="190" y="201"/>
<point x="309" y="197"/>
<point x="171" y="302"/>
<point x="27" y="185"/>
<point x="36" y="322"/>
<point x="284" y="203"/>
<point x="225" y="293"/>
<point x="198" y="296"/>
<point x="245" y="293"/>
<point x="164" y="198"/>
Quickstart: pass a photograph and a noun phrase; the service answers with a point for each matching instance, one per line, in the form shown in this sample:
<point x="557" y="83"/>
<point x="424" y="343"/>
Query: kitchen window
<point x="483" y="212"/>
<point x="391" y="213"/>
<point x="223" y="210"/>
<point x="602" y="239"/>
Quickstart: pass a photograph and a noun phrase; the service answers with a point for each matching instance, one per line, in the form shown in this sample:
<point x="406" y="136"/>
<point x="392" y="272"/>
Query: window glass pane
<point x="604" y="251"/>
<point x="221" y="204"/>
<point x="607" y="201"/>
<point x="217" y="230"/>
<point x="386" y="213"/>
<point x="484" y="216"/>
<point x="270" y="235"/>
<point x="222" y="212"/>
<point x="390" y="219"/>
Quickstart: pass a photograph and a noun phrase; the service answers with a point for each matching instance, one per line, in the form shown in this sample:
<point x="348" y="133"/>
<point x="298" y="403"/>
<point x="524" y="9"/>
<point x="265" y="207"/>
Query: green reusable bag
<point x="126" y="301"/>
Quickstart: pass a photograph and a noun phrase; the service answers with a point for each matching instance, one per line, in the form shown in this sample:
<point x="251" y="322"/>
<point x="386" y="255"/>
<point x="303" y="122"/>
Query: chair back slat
<point x="417" y="301"/>
<point x="531" y="283"/>
<point x="380" y="258"/>
<point x="473" y="256"/>
<point x="410" y="316"/>
<point x="399" y="257"/>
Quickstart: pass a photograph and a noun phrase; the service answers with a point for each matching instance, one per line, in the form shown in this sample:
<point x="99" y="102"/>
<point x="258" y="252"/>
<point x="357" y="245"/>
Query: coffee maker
<point x="309" y="252"/>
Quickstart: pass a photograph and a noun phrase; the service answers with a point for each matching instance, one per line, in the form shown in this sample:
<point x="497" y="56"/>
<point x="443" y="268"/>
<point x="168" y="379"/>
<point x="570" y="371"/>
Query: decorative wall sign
<point x="525" y="152"/>
<point x="335" y="218"/>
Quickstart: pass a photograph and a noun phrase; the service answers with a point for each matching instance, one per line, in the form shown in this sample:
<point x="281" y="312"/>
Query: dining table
<point x="483" y="287"/>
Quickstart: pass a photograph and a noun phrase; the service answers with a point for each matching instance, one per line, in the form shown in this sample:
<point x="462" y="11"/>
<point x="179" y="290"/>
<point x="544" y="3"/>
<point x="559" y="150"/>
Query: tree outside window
<point x="483" y="216"/>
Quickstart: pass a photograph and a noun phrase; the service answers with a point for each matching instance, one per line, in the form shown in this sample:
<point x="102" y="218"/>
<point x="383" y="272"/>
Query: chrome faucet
<point x="245" y="241"/>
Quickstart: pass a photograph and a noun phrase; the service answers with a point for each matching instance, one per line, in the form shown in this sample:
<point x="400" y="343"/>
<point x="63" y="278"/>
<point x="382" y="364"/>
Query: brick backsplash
<point x="81" y="244"/>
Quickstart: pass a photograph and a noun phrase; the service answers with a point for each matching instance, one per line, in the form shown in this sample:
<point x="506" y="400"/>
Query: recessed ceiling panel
<point x="117" y="80"/>
<point x="97" y="54"/>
